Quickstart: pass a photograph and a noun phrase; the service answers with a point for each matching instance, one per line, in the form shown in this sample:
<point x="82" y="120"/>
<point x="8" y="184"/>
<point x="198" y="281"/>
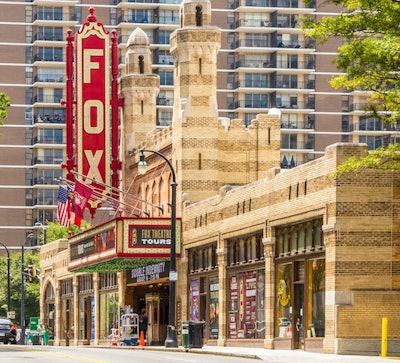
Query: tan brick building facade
<point x="282" y="259"/>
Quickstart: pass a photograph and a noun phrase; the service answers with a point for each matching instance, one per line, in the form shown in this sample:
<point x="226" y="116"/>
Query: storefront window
<point x="109" y="318"/>
<point x="284" y="307"/>
<point x="316" y="298"/>
<point x="214" y="306"/>
<point x="194" y="300"/>
<point x="246" y="305"/>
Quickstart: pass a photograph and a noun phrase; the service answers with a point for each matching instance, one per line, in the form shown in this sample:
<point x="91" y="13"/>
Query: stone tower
<point x="139" y="89"/>
<point x="194" y="47"/>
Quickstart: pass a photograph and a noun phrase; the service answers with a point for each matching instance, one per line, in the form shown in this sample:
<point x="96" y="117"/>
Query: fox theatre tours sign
<point x="92" y="108"/>
<point x="141" y="245"/>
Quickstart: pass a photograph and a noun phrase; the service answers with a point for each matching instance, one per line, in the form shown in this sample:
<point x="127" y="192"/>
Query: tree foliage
<point x="381" y="158"/>
<point x="31" y="288"/>
<point x="4" y="103"/>
<point x="56" y="231"/>
<point x="370" y="55"/>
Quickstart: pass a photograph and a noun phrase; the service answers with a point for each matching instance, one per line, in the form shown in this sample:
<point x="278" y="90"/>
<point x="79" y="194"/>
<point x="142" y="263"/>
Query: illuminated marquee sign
<point x="93" y="105"/>
<point x="140" y="244"/>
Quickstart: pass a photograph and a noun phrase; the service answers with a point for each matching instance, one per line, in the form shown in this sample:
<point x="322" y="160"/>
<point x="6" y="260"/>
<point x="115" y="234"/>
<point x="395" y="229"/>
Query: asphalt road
<point x="50" y="354"/>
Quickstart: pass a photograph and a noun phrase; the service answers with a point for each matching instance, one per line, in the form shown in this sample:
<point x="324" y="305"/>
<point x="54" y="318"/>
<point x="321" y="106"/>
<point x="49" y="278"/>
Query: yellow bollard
<point x="384" y="346"/>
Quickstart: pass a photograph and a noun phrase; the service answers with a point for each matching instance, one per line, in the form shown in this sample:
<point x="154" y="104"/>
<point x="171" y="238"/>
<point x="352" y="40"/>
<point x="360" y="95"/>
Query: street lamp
<point x="171" y="341"/>
<point x="8" y="279"/>
<point x="44" y="228"/>
<point x="22" y="339"/>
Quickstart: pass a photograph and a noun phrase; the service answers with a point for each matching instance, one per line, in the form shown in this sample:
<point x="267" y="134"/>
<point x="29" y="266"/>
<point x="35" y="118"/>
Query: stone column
<point x="223" y="293"/>
<point x="269" y="247"/>
<point x="57" y="325"/>
<point x="75" y="286"/>
<point x="96" y="292"/>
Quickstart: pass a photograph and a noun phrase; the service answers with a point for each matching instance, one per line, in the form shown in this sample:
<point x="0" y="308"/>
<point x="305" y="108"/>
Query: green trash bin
<point x="185" y="334"/>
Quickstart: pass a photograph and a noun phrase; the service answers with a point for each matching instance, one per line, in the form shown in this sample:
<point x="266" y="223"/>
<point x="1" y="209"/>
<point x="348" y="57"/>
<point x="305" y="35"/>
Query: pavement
<point x="278" y="356"/>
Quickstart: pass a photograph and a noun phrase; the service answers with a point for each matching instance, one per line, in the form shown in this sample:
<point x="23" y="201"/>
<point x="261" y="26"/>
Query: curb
<point x="188" y="350"/>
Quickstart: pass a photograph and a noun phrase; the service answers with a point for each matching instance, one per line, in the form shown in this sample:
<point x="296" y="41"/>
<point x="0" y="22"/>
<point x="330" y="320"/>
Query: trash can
<point x="196" y="330"/>
<point x="185" y="334"/>
<point x="33" y="338"/>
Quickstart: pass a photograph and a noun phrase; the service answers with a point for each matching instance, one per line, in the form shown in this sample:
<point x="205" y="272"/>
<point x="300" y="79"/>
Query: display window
<point x="284" y="308"/>
<point x="214" y="308"/>
<point x="246" y="311"/>
<point x="109" y="318"/>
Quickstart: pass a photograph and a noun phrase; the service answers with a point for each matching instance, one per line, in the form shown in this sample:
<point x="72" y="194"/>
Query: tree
<point x="4" y="103"/>
<point x="56" y="231"/>
<point x="370" y="58"/>
<point x="31" y="288"/>
<point x="370" y="55"/>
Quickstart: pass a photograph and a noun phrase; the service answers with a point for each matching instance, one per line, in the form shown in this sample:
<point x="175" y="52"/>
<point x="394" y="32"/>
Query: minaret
<point x="139" y="89"/>
<point x="194" y="47"/>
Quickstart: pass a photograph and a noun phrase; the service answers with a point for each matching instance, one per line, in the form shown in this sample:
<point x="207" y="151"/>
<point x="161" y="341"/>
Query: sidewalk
<point x="281" y="356"/>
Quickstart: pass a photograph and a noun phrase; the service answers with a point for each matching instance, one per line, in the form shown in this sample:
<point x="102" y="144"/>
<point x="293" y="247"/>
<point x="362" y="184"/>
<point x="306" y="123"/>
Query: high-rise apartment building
<point x="265" y="61"/>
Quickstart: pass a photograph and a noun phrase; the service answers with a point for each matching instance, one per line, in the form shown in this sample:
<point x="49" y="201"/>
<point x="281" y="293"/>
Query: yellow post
<point x="384" y="347"/>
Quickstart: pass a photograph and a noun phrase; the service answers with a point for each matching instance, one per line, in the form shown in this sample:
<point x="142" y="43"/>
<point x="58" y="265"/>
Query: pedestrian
<point x="143" y="322"/>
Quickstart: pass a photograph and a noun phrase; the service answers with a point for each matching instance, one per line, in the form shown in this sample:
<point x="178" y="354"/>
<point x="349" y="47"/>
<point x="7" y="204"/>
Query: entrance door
<point x="153" y="314"/>
<point x="298" y="316"/>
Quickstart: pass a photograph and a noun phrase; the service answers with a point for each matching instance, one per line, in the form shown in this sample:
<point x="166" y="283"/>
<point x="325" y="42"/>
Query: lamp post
<point x="44" y="228"/>
<point x="171" y="341"/>
<point x="22" y="338"/>
<point x="8" y="279"/>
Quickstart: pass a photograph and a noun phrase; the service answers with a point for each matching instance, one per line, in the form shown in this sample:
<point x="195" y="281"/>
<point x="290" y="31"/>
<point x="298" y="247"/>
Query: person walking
<point x="143" y="322"/>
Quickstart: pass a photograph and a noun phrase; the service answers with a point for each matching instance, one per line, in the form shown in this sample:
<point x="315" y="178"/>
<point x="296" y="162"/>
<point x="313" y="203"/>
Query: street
<point x="51" y="354"/>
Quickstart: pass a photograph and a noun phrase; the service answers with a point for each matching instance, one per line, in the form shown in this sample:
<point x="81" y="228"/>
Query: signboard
<point x="98" y="242"/>
<point x="92" y="107"/>
<point x="150" y="272"/>
<point x="122" y="244"/>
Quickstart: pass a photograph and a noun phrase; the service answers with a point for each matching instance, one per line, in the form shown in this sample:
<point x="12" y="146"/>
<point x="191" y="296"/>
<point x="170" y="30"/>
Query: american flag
<point x="63" y="207"/>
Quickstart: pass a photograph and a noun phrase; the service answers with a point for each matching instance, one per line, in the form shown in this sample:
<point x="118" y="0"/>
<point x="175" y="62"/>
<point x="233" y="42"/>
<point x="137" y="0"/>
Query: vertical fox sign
<point x="91" y="124"/>
<point x="93" y="102"/>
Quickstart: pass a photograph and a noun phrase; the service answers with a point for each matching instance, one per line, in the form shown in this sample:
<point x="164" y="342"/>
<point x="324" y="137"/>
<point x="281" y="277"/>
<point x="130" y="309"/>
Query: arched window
<point x="141" y="64"/>
<point x="199" y="16"/>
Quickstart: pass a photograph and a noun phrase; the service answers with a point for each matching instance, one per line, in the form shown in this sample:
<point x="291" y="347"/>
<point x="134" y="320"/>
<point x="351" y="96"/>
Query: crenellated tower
<point x="139" y="88"/>
<point x="194" y="47"/>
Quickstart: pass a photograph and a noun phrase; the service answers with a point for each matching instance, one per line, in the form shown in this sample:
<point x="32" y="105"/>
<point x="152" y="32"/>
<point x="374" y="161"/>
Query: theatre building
<point x="275" y="258"/>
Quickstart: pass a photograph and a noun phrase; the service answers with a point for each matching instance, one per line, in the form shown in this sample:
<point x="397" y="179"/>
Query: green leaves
<point x="382" y="158"/>
<point x="370" y="55"/>
<point x="4" y="103"/>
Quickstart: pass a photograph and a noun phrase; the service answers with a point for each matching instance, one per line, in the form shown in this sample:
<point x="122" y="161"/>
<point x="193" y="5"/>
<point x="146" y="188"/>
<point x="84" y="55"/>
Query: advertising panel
<point x="93" y="106"/>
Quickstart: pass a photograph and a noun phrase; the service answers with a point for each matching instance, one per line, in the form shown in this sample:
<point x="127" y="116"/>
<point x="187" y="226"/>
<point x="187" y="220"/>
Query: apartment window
<point x="50" y="33"/>
<point x="289" y="141"/>
<point x="256" y="80"/>
<point x="49" y="13"/>
<point x="48" y="176"/>
<point x="50" y="115"/>
<point x="256" y="100"/>
<point x="169" y="17"/>
<point x="166" y="78"/>
<point x="164" y="37"/>
<point x="373" y="142"/>
<point x="165" y="98"/>
<point x="139" y="16"/>
<point x="164" y="57"/>
<point x="49" y="75"/>
<point x="370" y="124"/>
<point x="49" y="136"/>
<point x="164" y="118"/>
<point x="49" y="54"/>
